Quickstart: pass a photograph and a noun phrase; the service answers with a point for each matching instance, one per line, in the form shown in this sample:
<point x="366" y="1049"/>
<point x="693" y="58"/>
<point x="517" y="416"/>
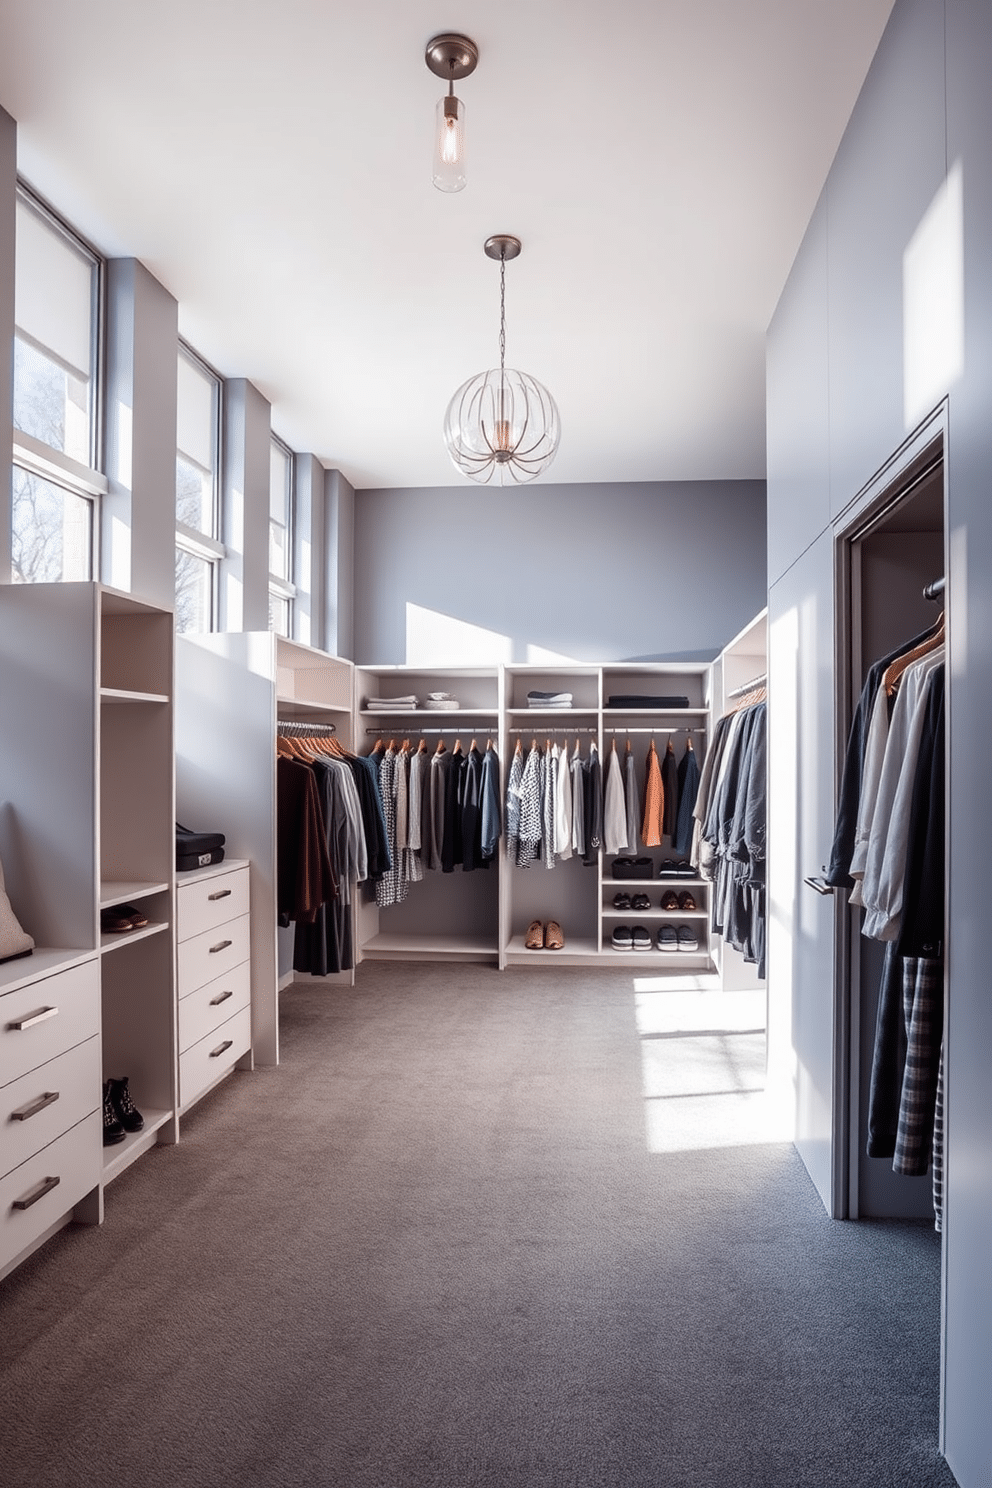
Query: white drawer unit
<point x="37" y="1194"/>
<point x="47" y="1017"/>
<point x="209" y="897"/>
<point x="213" y="955"/>
<point x="207" y="1007"/>
<point x="47" y="1101"/>
<point x="213" y="1056"/>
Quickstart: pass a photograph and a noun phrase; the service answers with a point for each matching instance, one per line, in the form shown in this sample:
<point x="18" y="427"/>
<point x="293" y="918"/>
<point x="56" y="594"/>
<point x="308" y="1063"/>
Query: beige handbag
<point x="14" y="941"/>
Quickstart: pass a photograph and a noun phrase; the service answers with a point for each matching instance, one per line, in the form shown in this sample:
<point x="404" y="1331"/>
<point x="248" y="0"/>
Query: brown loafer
<point x="686" y="902"/>
<point x="554" y="940"/>
<point x="534" y="939"/>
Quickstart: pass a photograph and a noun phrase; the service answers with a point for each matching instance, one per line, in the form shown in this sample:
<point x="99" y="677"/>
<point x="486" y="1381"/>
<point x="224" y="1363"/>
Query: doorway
<point x="890" y="556"/>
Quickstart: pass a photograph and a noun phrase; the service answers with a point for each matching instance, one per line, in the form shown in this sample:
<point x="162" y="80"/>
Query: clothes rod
<point x="297" y="730"/>
<point x="935" y="589"/>
<point x="397" y="730"/>
<point x="538" y="729"/>
<point x="661" y="729"/>
<point x="754" y="683"/>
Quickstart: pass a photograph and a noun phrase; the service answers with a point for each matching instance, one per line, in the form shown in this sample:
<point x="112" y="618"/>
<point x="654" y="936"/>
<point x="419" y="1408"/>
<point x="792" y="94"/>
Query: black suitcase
<point x="197" y="849"/>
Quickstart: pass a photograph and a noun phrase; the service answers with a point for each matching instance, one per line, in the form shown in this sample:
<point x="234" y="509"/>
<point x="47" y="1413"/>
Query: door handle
<point x="818" y="885"/>
<point x="31" y="1019"/>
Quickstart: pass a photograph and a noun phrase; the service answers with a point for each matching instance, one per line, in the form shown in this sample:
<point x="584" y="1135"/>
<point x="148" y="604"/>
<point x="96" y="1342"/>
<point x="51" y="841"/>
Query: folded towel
<point x="391" y="707"/>
<point x="392" y="701"/>
<point x="547" y="697"/>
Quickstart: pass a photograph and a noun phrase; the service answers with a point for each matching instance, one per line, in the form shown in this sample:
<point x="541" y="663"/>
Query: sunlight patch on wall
<point x="933" y="301"/>
<point x="433" y="639"/>
<point x="539" y="656"/>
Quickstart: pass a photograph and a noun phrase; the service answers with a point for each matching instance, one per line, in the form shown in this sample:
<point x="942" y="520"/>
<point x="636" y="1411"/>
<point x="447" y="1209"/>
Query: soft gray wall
<point x="8" y="190"/>
<point x="308" y="546"/>
<point x="589" y="572"/>
<point x="138" y="518"/>
<point x="836" y="412"/>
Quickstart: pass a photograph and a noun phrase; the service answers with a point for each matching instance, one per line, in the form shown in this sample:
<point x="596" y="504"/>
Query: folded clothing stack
<point x="392" y="705"/>
<point x="549" y="700"/>
<point x="641" y="700"/>
<point x="442" y="702"/>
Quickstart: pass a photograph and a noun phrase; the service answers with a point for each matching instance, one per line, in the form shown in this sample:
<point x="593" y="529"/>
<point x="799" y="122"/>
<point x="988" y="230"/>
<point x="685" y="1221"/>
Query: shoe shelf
<point x="112" y="940"/>
<point x="122" y="1154"/>
<point x="663" y="884"/>
<point x="634" y="915"/>
<point x="689" y="960"/>
<point x="577" y="949"/>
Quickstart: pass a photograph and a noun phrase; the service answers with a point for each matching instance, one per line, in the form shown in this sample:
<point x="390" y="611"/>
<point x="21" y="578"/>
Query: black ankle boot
<point x="125" y="1110"/>
<point x="113" y="1131"/>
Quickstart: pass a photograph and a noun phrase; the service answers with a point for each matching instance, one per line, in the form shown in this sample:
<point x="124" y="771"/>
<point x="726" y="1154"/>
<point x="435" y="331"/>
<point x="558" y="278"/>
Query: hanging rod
<point x="761" y="681"/>
<point x="296" y="730"/>
<point x="397" y="730"/>
<point x="935" y="589"/>
<point x="538" y="729"/>
<point x="662" y="729"/>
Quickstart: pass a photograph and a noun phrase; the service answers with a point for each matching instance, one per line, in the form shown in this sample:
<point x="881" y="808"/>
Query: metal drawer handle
<point x="45" y="1186"/>
<point x="221" y="1049"/>
<point x="26" y="1112"/>
<point x="221" y="945"/>
<point x="220" y="894"/>
<point x="29" y="1021"/>
<point x="221" y="997"/>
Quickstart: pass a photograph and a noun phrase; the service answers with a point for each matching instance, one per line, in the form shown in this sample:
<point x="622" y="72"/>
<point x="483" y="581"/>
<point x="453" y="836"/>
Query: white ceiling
<point x="271" y="166"/>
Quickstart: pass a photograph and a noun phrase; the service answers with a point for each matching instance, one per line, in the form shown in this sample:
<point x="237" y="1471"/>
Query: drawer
<point x="210" y="902"/>
<point x="201" y="1065"/>
<point x="30" y="1118"/>
<point x="47" y="1017"/>
<point x="209" y="1006"/>
<point x="75" y="1160"/>
<point x="213" y="953"/>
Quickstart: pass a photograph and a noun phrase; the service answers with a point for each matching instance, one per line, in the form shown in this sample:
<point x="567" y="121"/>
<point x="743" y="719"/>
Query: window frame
<point x="207" y="547"/>
<point x="280" y="588"/>
<point x="33" y="455"/>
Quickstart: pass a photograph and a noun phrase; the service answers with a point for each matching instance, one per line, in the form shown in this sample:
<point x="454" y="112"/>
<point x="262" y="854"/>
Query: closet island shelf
<point x="88" y="671"/>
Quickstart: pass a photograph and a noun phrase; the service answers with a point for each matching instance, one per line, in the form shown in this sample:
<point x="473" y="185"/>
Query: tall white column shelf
<point x="86" y="675"/>
<point x="231" y="691"/>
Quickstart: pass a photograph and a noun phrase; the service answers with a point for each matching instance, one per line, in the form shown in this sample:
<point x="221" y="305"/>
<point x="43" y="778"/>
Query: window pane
<point x="51" y="532"/>
<point x="194" y="592"/>
<point x="196" y="443"/>
<point x="278" y="551"/>
<point x="280" y="470"/>
<point x="194" y="496"/>
<point x="51" y="403"/>
<point x="279" y="614"/>
<point x="55" y="289"/>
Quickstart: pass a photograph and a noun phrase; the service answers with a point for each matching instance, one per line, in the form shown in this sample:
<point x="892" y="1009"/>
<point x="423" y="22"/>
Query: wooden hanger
<point x="894" y="672"/>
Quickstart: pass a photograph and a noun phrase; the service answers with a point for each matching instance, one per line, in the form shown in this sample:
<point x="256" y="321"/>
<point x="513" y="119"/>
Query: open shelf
<point x="392" y="946"/>
<point x="119" y="1157"/>
<point x="120" y="695"/>
<point x="112" y="940"/>
<point x="122" y="891"/>
<point x="609" y="913"/>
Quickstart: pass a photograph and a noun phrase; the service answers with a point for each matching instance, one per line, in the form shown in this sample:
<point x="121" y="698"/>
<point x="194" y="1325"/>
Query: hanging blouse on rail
<point x="729" y="845"/>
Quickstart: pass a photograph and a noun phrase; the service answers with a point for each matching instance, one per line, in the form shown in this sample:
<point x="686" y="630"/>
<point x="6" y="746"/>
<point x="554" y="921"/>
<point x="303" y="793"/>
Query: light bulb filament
<point x="449" y="142"/>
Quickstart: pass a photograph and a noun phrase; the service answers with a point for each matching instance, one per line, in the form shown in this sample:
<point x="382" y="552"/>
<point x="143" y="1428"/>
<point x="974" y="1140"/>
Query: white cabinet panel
<point x="44" y="1019"/>
<point x="41" y="1190"/>
<point x="46" y="1102"/>
<point x="207" y="902"/>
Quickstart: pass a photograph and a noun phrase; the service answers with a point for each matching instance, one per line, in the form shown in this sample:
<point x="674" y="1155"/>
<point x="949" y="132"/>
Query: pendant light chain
<point x="502" y="315"/>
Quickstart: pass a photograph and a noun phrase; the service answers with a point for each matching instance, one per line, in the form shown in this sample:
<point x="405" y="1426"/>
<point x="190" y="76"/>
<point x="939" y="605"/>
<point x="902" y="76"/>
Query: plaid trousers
<point x="923" y="1013"/>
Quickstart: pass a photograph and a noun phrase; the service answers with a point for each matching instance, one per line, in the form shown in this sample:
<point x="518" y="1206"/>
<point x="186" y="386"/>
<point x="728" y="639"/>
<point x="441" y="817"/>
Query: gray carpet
<point x="433" y="1248"/>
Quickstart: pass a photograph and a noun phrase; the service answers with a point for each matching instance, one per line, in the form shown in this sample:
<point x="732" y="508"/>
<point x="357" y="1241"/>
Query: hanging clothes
<point x="563" y="805"/>
<point x="490" y="824"/>
<point x="889" y="849"/>
<point x="593" y="808"/>
<point x="654" y="800"/>
<point x="632" y="800"/>
<point x="687" y="789"/>
<point x="670" y="787"/>
<point x="730" y="810"/>
<point x="578" y="772"/>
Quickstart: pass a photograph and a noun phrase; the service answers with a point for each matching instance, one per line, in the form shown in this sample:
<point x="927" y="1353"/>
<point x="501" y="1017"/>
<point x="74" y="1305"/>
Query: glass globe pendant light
<point x="502" y="425"/>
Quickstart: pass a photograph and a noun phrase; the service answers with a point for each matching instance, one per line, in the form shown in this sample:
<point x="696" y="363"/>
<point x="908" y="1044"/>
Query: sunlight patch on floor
<point x="703" y="1065"/>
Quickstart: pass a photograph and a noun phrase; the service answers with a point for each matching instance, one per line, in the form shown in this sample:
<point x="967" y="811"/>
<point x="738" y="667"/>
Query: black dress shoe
<point x="113" y="1131"/>
<point x="127" y="1114"/>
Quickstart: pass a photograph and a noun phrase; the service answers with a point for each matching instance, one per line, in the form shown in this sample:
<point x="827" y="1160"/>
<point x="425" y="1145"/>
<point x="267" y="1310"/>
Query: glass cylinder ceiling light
<point x="503" y="424"/>
<point x="450" y="56"/>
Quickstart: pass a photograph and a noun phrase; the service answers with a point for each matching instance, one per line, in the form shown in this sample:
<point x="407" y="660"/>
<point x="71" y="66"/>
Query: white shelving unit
<point x="451" y="916"/>
<point x="86" y="674"/>
<point x="232" y="689"/>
